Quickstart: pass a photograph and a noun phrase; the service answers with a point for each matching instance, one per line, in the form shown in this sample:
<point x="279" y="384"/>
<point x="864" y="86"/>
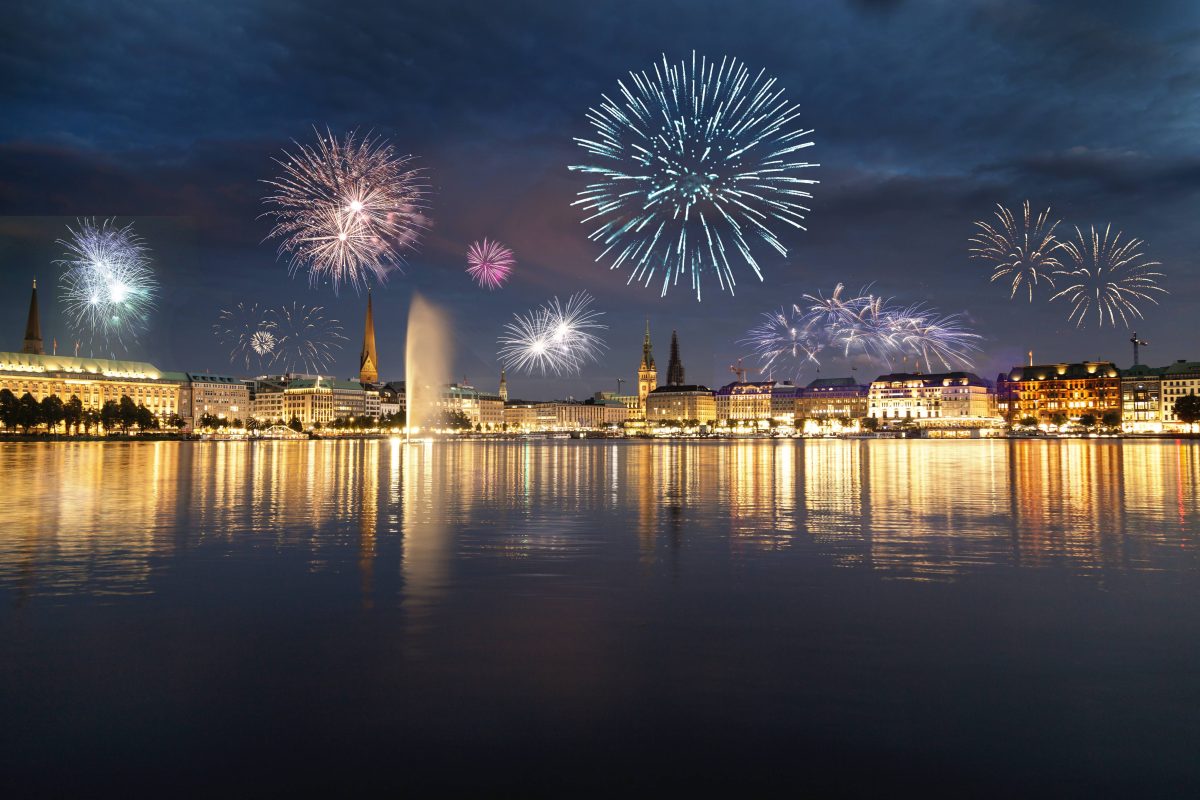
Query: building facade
<point x="682" y="403"/>
<point x="1045" y="391"/>
<point x="1178" y="380"/>
<point x="219" y="395"/>
<point x="832" y="398"/>
<point x="744" y="401"/>
<point x="959" y="396"/>
<point x="93" y="380"/>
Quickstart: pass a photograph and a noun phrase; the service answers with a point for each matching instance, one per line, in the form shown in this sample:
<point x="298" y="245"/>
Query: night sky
<point x="926" y="114"/>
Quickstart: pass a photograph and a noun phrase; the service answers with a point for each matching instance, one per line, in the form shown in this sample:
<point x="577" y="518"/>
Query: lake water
<point x="587" y="617"/>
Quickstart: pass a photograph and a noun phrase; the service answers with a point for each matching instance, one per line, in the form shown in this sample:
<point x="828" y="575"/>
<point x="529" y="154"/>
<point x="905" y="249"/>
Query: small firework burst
<point x="490" y="263"/>
<point x="346" y="209"/>
<point x="556" y="338"/>
<point x="107" y="285"/>
<point x="1023" y="253"/>
<point x="1107" y="278"/>
<point x="305" y="339"/>
<point x="247" y="331"/>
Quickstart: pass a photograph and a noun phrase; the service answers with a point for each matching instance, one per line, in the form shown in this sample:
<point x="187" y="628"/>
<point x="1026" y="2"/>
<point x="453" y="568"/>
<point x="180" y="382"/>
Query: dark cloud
<point x="926" y="116"/>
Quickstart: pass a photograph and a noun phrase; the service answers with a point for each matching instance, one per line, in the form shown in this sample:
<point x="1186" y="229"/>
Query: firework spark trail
<point x="693" y="166"/>
<point x="346" y="209"/>
<point x="556" y="338"/>
<point x="107" y="286"/>
<point x="304" y="338"/>
<point x="490" y="263"/>
<point x="1021" y="252"/>
<point x="1108" y="277"/>
<point x="860" y="326"/>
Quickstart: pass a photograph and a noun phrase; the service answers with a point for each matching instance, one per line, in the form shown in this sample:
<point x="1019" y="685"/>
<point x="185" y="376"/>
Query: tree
<point x="8" y="408"/>
<point x="52" y="411"/>
<point x="29" y="412"/>
<point x="110" y="415"/>
<point x="145" y="418"/>
<point x="127" y="413"/>
<point x="1111" y="419"/>
<point x="1187" y="409"/>
<point x="251" y="424"/>
<point x="73" y="413"/>
<point x="1088" y="421"/>
<point x="237" y="423"/>
<point x="1029" y="422"/>
<point x="1058" y="419"/>
<point x="870" y="423"/>
<point x="295" y="424"/>
<point x="177" y="422"/>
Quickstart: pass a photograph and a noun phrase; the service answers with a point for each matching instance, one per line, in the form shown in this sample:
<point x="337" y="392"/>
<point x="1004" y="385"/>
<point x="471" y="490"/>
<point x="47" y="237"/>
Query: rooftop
<point x="1077" y="371"/>
<point x="28" y="362"/>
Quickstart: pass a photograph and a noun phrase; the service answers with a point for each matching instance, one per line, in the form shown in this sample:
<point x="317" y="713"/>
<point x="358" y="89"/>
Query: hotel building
<point x="1041" y="391"/>
<point x="832" y="398"/>
<point x="961" y="397"/>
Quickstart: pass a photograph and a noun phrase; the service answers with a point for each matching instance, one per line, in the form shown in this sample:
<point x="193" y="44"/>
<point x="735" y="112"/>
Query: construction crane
<point x="738" y="370"/>
<point x="1136" y="342"/>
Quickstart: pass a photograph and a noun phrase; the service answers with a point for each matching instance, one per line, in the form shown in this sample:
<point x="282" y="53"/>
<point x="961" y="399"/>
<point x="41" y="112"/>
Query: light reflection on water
<point x="116" y="519"/>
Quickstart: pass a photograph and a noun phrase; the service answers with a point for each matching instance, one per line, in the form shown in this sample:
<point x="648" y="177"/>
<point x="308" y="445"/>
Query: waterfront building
<point x="1178" y="380"/>
<point x="1141" y="399"/>
<point x="33" y="327"/>
<point x="832" y="398"/>
<point x="93" y="380"/>
<point x="783" y="403"/>
<point x="520" y="415"/>
<point x="1046" y="390"/>
<point x="219" y="395"/>
<point x="351" y="399"/>
<point x="309" y="400"/>
<point x="744" y="401"/>
<point x="391" y="402"/>
<point x="961" y="397"/>
<point x="266" y="399"/>
<point x="681" y="402"/>
<point x="481" y="408"/>
<point x="368" y="361"/>
<point x="647" y="375"/>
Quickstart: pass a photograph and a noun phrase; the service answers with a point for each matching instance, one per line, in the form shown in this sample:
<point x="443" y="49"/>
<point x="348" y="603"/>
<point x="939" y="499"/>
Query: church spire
<point x="647" y="354"/>
<point x="674" y="366"/>
<point x="503" y="387"/>
<point x="368" y="362"/>
<point x="33" y="327"/>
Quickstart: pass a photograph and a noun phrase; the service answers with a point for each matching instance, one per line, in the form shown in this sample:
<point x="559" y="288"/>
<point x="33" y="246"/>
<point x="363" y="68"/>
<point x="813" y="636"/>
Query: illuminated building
<point x="93" y="380"/>
<point x="681" y="402"/>
<point x="647" y="375"/>
<point x="832" y="398"/>
<point x="1072" y="390"/>
<point x="482" y="409"/>
<point x="958" y="396"/>
<point x="502" y="393"/>
<point x="744" y="401"/>
<point x="221" y="396"/>
<point x="368" y="361"/>
<point x="1178" y="380"/>
<point x="1141" y="399"/>
<point x="783" y="403"/>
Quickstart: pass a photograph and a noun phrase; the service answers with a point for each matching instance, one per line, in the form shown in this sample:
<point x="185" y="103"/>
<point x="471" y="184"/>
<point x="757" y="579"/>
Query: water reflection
<point x="414" y="521"/>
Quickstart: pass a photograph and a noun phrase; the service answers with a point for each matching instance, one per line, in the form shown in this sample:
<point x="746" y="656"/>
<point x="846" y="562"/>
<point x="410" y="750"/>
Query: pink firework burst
<point x="490" y="263"/>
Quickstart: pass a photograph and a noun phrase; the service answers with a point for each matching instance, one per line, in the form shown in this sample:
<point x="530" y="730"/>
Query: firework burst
<point x="556" y="338"/>
<point x="107" y="285"/>
<point x="248" y="332"/>
<point x="490" y="263"/>
<point x="694" y="165"/>
<point x="860" y="327"/>
<point x="1023" y="253"/>
<point x="1108" y="277"/>
<point x="305" y="339"/>
<point x="346" y="209"/>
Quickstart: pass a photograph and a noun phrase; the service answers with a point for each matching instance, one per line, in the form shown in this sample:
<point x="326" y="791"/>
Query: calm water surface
<point x="595" y="616"/>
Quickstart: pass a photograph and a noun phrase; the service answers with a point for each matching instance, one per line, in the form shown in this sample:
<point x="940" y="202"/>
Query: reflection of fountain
<point x="427" y="356"/>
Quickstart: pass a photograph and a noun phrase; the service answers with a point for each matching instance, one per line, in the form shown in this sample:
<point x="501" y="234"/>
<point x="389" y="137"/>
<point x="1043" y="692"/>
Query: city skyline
<point x="914" y="146"/>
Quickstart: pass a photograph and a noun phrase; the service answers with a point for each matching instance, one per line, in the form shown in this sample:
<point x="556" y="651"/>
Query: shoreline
<point x="127" y="438"/>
